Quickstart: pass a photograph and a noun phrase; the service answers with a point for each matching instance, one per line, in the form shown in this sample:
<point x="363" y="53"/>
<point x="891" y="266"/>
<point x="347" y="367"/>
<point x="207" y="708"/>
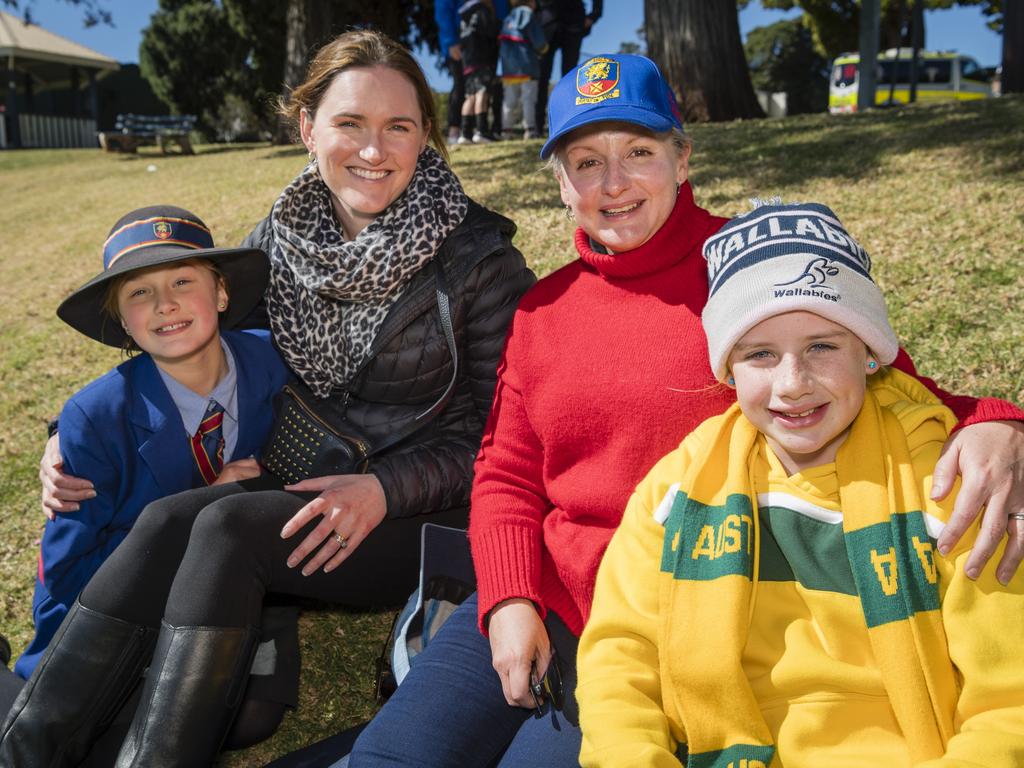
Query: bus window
<point x="936" y="71"/>
<point x="969" y="70"/>
<point x="844" y="75"/>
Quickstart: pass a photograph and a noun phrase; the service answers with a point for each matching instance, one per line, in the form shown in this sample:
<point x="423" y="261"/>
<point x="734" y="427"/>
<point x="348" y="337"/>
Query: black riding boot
<point x="89" y="669"/>
<point x="193" y="688"/>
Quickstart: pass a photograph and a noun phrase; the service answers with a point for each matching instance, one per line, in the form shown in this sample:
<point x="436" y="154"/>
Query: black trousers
<point x="568" y="41"/>
<point x="209" y="557"/>
<point x="458" y="92"/>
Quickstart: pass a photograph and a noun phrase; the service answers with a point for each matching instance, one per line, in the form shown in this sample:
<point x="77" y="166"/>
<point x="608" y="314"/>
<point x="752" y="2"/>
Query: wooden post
<point x="11" y="114"/>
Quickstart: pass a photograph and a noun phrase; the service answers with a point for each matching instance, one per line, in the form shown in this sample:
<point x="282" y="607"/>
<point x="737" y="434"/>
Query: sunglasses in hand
<point x="547" y="687"/>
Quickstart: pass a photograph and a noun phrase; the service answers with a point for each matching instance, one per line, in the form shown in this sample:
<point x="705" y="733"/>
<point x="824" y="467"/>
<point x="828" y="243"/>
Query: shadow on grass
<point x="854" y="146"/>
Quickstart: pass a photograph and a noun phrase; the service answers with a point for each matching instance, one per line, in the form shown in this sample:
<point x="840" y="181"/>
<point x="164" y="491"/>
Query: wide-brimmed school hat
<point x="612" y="86"/>
<point x="154" y="236"/>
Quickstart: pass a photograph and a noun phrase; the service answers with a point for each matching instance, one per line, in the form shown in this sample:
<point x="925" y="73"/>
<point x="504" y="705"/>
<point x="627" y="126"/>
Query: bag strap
<point x="444" y="310"/>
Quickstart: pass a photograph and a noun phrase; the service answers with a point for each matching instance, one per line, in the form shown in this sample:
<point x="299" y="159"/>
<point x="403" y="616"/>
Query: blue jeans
<point x="450" y="712"/>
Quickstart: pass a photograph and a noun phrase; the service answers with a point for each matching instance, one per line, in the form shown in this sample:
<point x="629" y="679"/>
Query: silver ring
<point x="1017" y="515"/>
<point x="342" y="540"/>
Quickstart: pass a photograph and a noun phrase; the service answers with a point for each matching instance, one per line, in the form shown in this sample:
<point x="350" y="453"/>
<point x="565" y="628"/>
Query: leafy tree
<point x="782" y="57"/>
<point x="192" y="58"/>
<point x="835" y="23"/>
<point x="93" y="12"/>
<point x="696" y="44"/>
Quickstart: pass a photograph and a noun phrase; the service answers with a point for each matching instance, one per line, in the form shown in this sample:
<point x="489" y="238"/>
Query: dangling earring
<point x="569" y="214"/>
<point x="312" y="157"/>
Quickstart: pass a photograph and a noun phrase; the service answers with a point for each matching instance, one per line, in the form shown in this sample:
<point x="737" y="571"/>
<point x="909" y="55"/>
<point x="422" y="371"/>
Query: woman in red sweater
<point x="605" y="370"/>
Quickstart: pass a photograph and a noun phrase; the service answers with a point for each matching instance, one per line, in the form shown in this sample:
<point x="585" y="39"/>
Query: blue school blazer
<point x="124" y="433"/>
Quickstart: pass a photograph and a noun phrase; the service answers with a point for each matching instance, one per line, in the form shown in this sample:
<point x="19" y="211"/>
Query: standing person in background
<point x="522" y="42"/>
<point x="446" y="14"/>
<point x="565" y="24"/>
<point x="478" y="35"/>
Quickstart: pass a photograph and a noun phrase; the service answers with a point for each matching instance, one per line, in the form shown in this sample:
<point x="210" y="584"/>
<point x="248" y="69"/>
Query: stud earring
<point x="731" y="381"/>
<point x="872" y="365"/>
<point x="221" y="307"/>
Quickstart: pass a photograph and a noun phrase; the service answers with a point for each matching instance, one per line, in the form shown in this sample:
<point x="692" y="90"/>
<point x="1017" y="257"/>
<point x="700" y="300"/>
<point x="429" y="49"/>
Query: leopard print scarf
<point x="327" y="297"/>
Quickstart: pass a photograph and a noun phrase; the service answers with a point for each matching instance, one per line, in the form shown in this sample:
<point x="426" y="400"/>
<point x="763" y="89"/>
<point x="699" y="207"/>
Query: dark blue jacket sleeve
<point x="74" y="544"/>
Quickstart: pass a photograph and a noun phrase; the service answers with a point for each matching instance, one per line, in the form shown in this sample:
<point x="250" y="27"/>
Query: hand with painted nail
<point x="349" y="507"/>
<point x="989" y="458"/>
<point x="61" y="492"/>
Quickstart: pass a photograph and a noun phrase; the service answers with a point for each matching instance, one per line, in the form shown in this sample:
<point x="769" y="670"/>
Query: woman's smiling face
<point x="367" y="134"/>
<point x="621" y="182"/>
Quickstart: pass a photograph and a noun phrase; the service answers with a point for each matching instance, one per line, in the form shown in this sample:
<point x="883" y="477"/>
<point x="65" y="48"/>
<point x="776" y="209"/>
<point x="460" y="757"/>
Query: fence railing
<point x="52" y="131"/>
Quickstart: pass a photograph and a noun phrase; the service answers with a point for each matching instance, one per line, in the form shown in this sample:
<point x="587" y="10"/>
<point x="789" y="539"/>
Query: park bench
<point x="133" y="131"/>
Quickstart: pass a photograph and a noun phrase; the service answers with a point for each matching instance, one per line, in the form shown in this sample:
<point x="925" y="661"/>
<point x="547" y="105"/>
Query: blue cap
<point x="612" y="86"/>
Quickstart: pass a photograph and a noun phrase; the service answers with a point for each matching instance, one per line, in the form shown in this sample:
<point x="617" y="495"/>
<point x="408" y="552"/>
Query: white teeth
<point x="367" y="174"/>
<point x="623" y="209"/>
<point x="171" y="327"/>
<point x="800" y="415"/>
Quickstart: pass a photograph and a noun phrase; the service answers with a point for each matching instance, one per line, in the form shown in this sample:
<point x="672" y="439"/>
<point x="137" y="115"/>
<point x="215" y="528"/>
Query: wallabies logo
<point x="597" y="80"/>
<point x="162" y="230"/>
<point x="815" y="274"/>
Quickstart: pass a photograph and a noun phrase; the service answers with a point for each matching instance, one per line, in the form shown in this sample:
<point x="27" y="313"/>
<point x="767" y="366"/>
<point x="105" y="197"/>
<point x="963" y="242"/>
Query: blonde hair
<point x="362" y="48"/>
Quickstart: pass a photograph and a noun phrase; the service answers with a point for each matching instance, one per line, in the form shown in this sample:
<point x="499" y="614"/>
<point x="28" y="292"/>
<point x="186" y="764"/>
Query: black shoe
<point x="193" y="688"/>
<point x="88" y="671"/>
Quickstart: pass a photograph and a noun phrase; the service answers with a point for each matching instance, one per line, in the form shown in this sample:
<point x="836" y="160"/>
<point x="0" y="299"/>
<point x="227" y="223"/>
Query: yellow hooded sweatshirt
<point x="764" y="620"/>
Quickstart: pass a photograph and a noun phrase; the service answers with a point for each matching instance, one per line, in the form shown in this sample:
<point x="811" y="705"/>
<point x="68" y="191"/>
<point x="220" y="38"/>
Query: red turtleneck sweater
<point x="605" y="371"/>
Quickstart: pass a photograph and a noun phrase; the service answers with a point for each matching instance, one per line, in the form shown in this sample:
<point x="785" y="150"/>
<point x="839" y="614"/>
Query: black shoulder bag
<point x="312" y="438"/>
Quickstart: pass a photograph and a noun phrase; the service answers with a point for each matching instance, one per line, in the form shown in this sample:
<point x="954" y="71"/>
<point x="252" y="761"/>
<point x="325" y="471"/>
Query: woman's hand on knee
<point x="61" y="493"/>
<point x="350" y="507"/>
<point x="240" y="469"/>
<point x="989" y="457"/>
<point x="520" y="648"/>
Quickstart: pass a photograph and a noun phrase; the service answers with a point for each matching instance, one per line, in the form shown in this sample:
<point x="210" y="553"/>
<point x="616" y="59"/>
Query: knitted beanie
<point x="786" y="258"/>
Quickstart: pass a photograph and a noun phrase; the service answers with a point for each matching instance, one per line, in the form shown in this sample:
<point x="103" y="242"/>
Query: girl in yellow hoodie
<point x="773" y="596"/>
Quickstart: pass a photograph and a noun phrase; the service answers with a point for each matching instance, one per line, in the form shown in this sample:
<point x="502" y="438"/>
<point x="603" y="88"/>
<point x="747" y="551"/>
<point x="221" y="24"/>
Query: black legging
<point x="208" y="556"/>
<point x="568" y="41"/>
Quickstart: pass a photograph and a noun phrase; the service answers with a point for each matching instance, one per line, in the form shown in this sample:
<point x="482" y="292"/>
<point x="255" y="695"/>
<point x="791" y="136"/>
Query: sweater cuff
<point x="507" y="561"/>
<point x="985" y="409"/>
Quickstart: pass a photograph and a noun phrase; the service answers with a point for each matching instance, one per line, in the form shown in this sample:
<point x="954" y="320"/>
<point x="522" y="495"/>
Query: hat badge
<point x="597" y="80"/>
<point x="162" y="229"/>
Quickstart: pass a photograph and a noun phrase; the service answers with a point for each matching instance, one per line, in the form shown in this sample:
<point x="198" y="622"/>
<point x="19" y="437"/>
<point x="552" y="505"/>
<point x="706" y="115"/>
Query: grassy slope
<point x="935" y="194"/>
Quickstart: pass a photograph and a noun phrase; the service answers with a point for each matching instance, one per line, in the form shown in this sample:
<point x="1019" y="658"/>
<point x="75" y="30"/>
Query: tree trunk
<point x="295" y="52"/>
<point x="867" y="69"/>
<point x="696" y="44"/>
<point x="1013" y="46"/>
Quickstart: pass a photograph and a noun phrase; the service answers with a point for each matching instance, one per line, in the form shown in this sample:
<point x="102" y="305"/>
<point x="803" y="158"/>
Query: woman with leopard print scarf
<point x="353" y="311"/>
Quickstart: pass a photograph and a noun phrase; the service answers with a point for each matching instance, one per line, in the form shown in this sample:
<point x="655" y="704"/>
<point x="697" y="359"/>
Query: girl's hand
<point x="519" y="645"/>
<point x="240" y="469"/>
<point x="989" y="457"/>
<point x="351" y="506"/>
<point x="61" y="493"/>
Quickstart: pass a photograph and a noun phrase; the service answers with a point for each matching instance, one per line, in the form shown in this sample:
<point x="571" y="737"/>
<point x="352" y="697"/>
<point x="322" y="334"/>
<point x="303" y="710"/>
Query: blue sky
<point x="960" y="29"/>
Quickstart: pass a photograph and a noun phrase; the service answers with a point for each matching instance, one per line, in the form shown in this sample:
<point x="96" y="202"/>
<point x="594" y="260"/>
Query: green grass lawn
<point x="935" y="194"/>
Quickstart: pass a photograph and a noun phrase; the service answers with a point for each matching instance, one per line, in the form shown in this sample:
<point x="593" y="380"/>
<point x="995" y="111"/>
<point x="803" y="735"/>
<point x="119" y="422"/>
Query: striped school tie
<point x="208" y="443"/>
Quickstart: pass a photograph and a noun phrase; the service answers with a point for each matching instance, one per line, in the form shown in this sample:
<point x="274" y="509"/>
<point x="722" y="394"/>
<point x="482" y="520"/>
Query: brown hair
<point x="109" y="307"/>
<point x="362" y="48"/>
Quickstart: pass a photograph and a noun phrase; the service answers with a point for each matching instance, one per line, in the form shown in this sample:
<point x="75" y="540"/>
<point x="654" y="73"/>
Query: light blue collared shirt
<point x="192" y="407"/>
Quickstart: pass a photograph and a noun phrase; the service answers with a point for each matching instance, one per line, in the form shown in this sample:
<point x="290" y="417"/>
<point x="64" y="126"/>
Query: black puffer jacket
<point x="410" y="364"/>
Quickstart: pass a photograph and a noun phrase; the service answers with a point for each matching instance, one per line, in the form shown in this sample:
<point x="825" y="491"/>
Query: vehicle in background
<point x="941" y="76"/>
